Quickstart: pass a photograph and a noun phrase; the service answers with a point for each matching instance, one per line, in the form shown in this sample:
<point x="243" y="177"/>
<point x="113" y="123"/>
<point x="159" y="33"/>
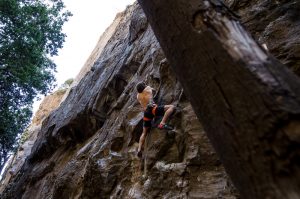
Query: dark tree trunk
<point x="247" y="100"/>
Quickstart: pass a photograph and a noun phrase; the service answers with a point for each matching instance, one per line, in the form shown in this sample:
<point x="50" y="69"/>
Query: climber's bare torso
<point x="145" y="97"/>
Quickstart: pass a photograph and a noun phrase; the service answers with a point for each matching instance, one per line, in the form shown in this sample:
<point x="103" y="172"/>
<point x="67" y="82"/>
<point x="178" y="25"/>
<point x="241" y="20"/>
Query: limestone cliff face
<point x="86" y="148"/>
<point x="49" y="103"/>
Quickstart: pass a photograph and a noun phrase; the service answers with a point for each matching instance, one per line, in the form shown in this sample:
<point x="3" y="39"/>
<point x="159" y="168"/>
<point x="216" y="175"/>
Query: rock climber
<point x="151" y="110"/>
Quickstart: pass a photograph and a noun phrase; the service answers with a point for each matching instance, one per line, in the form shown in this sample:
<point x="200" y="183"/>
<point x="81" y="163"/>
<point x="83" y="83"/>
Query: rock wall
<point x="49" y="103"/>
<point x="87" y="147"/>
<point x="274" y="23"/>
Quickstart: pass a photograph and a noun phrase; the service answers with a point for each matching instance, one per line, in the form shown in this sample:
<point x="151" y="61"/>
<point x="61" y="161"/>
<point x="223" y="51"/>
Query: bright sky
<point x="90" y="19"/>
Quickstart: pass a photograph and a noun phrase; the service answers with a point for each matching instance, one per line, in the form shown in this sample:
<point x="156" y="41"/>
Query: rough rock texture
<point x="274" y="23"/>
<point x="49" y="103"/>
<point x="87" y="147"/>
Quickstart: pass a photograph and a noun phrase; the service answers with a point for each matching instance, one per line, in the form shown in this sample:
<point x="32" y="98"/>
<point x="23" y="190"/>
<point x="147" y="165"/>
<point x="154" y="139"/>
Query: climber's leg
<point x="147" y="120"/>
<point x="167" y="110"/>
<point x="142" y="141"/>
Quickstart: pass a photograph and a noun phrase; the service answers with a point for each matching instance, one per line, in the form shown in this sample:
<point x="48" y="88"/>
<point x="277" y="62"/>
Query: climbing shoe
<point x="139" y="154"/>
<point x="165" y="127"/>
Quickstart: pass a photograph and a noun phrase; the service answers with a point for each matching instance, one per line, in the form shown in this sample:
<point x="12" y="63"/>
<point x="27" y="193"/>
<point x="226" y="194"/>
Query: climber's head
<point x="140" y="87"/>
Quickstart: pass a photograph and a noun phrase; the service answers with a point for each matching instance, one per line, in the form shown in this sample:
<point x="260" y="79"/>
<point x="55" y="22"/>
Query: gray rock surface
<point x="274" y="23"/>
<point x="87" y="147"/>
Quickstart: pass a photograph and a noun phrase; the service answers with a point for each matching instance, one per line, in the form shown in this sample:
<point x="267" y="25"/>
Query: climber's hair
<point x="140" y="87"/>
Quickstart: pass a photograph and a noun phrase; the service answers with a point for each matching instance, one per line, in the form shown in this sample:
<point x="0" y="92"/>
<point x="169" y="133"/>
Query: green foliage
<point x="64" y="87"/>
<point x="30" y="32"/>
<point x="24" y="137"/>
<point x="67" y="84"/>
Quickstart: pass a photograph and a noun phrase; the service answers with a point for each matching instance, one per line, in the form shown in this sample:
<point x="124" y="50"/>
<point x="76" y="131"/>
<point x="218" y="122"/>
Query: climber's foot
<point x="171" y="133"/>
<point x="140" y="154"/>
<point x="164" y="126"/>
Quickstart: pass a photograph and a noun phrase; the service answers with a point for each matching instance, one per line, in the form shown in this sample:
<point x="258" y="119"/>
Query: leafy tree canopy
<point x="30" y="32"/>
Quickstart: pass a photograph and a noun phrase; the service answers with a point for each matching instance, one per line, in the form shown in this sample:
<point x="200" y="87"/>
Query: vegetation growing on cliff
<point x="30" y="32"/>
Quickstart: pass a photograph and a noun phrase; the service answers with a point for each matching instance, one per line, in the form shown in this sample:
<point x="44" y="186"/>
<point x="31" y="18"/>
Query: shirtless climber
<point x="151" y="110"/>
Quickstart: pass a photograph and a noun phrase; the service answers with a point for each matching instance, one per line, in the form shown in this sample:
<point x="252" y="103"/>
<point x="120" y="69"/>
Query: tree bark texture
<point x="247" y="100"/>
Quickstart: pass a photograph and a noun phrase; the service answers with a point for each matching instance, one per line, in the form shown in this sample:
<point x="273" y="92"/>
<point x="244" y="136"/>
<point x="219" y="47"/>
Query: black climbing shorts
<point x="151" y="112"/>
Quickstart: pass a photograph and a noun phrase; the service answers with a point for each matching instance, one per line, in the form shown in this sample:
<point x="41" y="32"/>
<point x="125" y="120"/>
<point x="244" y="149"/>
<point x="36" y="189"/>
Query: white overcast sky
<point x="90" y="19"/>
